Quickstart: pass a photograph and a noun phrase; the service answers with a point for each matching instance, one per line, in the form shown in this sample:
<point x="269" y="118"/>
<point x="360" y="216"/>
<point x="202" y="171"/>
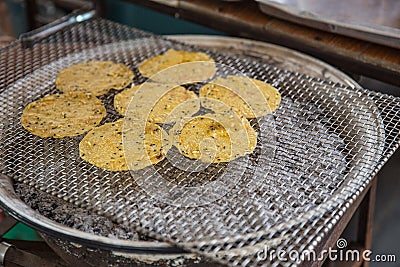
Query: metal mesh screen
<point x="329" y="140"/>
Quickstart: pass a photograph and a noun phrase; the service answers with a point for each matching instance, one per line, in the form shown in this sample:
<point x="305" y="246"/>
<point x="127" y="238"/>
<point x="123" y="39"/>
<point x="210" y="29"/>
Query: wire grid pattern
<point x="330" y="139"/>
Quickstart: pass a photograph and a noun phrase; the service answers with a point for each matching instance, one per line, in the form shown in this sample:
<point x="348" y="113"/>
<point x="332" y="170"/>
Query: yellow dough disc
<point x="62" y="115"/>
<point x="169" y="67"/>
<point x="162" y="110"/>
<point x="214" y="138"/>
<point x="250" y="97"/>
<point x="94" y="77"/>
<point x="104" y="148"/>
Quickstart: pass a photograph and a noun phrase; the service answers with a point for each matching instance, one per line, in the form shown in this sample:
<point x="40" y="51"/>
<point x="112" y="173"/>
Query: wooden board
<point x="246" y="20"/>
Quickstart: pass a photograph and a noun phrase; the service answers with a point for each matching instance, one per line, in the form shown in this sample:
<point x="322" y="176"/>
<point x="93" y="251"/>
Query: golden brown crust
<point x="168" y="67"/>
<point x="94" y="77"/>
<point x="169" y="102"/>
<point x="208" y="138"/>
<point x="104" y="148"/>
<point x="62" y="115"/>
<point x="250" y="97"/>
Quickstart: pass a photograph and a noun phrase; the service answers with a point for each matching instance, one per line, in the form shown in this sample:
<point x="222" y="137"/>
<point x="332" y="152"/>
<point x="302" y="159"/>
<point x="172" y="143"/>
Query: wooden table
<point x="244" y="19"/>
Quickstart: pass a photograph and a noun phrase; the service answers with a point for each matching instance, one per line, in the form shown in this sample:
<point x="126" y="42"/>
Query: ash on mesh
<point x="70" y="215"/>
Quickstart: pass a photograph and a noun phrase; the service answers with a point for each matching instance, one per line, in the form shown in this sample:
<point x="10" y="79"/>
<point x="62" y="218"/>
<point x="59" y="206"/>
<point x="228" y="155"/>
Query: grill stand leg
<point x="363" y="242"/>
<point x="366" y="218"/>
<point x="23" y="253"/>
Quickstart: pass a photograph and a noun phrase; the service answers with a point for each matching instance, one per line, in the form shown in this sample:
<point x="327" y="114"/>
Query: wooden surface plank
<point x="368" y="195"/>
<point x="5" y="21"/>
<point x="244" y="19"/>
<point x="366" y="220"/>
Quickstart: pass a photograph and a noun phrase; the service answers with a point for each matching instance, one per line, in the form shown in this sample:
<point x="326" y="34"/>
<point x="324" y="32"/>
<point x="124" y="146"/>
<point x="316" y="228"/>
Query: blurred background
<point x="14" y="21"/>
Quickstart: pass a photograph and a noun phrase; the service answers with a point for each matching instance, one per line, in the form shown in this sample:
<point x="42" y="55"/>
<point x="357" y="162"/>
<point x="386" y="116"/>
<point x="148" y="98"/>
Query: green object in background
<point x="152" y="21"/>
<point x="22" y="232"/>
<point x="17" y="16"/>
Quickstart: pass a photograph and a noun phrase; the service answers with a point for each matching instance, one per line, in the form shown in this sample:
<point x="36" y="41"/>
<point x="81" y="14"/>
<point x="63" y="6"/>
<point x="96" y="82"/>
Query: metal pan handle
<point x="30" y="38"/>
<point x="4" y="247"/>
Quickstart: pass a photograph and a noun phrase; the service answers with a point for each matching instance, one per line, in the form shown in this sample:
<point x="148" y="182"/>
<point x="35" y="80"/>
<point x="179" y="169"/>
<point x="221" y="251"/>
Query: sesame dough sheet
<point x="104" y="148"/>
<point x="178" y="67"/>
<point x="214" y="137"/>
<point x="63" y="115"/>
<point x="94" y="77"/>
<point x="159" y="103"/>
<point x="166" y="104"/>
<point x="250" y="97"/>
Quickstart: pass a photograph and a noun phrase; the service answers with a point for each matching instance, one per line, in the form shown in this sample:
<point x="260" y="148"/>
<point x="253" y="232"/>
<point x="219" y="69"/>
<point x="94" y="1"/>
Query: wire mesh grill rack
<point x="328" y="140"/>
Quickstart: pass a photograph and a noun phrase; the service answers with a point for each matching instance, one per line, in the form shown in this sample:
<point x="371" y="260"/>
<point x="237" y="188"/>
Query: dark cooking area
<point x="311" y="178"/>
